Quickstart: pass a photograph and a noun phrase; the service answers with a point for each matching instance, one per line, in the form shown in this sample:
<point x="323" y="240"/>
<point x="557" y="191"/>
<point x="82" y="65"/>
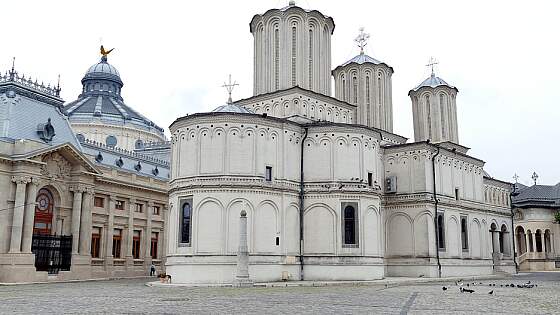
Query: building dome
<point x="231" y="108"/>
<point x="433" y="81"/>
<point x="101" y="104"/>
<point x="104" y="71"/>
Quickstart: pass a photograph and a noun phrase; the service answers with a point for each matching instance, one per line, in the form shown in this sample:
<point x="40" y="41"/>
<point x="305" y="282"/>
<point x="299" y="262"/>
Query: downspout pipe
<point x="511" y="195"/>
<point x="301" y="207"/>
<point x="435" y="206"/>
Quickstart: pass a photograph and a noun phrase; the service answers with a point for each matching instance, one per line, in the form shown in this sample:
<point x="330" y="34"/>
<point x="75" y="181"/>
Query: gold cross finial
<point x="362" y="40"/>
<point x="431" y="63"/>
<point x="229" y="87"/>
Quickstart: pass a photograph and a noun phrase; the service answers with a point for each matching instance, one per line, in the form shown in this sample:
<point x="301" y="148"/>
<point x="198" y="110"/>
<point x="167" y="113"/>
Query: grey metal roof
<point x="100" y="100"/>
<point x="432" y="82"/>
<point x="231" y="108"/>
<point x="149" y="166"/>
<point x="103" y="67"/>
<point x="361" y="59"/>
<point x="538" y="195"/>
<point x="22" y="113"/>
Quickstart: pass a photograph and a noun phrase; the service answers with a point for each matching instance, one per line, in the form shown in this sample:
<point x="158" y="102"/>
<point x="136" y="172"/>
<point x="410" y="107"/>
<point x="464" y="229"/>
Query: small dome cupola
<point x="366" y="82"/>
<point x="434" y="109"/>
<point x="230" y="107"/>
<point x="102" y="78"/>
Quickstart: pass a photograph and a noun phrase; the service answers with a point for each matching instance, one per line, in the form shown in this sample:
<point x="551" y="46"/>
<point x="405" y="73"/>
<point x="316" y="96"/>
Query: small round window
<point x="80" y="137"/>
<point x="111" y="141"/>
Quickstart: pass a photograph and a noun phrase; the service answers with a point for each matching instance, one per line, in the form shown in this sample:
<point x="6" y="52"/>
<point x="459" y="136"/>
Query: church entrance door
<point x="52" y="252"/>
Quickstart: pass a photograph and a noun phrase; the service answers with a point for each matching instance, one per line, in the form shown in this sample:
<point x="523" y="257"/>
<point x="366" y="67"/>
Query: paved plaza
<point x="132" y="296"/>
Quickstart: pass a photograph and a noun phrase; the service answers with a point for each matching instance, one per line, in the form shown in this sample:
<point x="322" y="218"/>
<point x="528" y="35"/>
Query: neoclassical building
<point x="73" y="203"/>
<point x="331" y="193"/>
<point x="537" y="231"/>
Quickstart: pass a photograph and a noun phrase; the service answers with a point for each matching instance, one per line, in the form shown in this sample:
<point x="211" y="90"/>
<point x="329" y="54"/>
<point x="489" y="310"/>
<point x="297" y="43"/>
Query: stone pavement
<point x="132" y="296"/>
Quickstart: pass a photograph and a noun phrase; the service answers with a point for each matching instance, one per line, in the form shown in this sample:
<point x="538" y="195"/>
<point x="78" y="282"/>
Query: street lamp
<point x="512" y="194"/>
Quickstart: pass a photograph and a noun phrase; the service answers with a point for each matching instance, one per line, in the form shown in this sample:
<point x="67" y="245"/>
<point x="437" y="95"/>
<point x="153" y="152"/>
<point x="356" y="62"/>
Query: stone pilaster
<point x="29" y="216"/>
<point x="17" y="218"/>
<point x="130" y="233"/>
<point x="76" y="213"/>
<point x="109" y="233"/>
<point x="85" y="223"/>
<point x="148" y="237"/>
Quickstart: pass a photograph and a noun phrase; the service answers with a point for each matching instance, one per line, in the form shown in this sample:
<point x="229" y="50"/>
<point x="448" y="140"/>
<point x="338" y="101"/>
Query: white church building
<point x="331" y="193"/>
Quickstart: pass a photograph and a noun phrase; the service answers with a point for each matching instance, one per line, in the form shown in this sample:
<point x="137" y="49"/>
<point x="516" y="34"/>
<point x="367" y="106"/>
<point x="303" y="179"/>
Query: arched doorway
<point x="44" y="210"/>
<point x="52" y="252"/>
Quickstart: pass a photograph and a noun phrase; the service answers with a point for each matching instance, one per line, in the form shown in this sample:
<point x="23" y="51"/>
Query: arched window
<point x="343" y="88"/>
<point x="504" y="248"/>
<point x="276" y="57"/>
<point x="442" y="106"/>
<point x="310" y="70"/>
<point x="441" y="231"/>
<point x="111" y="141"/>
<point x="428" y="115"/>
<point x="355" y="89"/>
<point x="186" y="214"/>
<point x="464" y="234"/>
<point x="350" y="225"/>
<point x="294" y="54"/>
<point x="43" y="212"/>
<point x="368" y="100"/>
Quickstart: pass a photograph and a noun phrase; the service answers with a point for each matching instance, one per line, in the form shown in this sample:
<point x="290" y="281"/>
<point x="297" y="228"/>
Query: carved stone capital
<point x="112" y="198"/>
<point x="77" y="188"/>
<point x="21" y="179"/>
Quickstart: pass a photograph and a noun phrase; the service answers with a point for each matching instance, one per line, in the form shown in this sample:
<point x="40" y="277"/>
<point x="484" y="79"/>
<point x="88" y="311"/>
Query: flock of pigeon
<point x="462" y="285"/>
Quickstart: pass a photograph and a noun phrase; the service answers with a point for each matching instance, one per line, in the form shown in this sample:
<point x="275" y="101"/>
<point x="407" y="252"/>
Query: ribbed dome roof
<point x="432" y="82"/>
<point x="231" y="108"/>
<point x="103" y="67"/>
<point x="362" y="59"/>
<point x="103" y="70"/>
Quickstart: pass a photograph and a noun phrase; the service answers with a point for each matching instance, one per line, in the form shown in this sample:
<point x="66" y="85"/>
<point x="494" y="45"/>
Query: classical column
<point x="242" y="274"/>
<point x="19" y="206"/>
<point x="496" y="241"/>
<point x="543" y="245"/>
<point x="110" y="228"/>
<point x="148" y="238"/>
<point x="85" y="223"/>
<point x="76" y="212"/>
<point x="130" y="233"/>
<point x="527" y="246"/>
<point x="534" y="242"/>
<point x="29" y="216"/>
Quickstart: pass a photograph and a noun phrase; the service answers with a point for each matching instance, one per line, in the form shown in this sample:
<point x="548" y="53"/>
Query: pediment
<point x="61" y="160"/>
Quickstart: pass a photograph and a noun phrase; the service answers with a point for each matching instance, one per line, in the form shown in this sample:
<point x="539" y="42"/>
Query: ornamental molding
<point x="56" y="166"/>
<point x="21" y="179"/>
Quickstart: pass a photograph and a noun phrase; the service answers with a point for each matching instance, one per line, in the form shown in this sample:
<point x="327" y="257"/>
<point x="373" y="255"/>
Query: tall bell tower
<point x="292" y="47"/>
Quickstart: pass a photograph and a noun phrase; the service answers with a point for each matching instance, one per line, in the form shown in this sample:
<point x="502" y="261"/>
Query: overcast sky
<point x="173" y="56"/>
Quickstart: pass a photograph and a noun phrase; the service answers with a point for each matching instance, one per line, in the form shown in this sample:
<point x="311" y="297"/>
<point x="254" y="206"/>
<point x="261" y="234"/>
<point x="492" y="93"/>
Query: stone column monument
<point x="242" y="275"/>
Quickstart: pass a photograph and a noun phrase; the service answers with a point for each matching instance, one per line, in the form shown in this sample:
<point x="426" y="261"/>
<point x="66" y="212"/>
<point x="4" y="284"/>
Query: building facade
<point x="537" y="227"/>
<point x="73" y="207"/>
<point x="330" y="192"/>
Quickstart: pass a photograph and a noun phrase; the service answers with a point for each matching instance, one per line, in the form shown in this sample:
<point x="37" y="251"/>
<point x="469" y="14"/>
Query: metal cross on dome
<point x="362" y="40"/>
<point x="229" y="87"/>
<point x="535" y="177"/>
<point x="431" y="63"/>
<point x="515" y="177"/>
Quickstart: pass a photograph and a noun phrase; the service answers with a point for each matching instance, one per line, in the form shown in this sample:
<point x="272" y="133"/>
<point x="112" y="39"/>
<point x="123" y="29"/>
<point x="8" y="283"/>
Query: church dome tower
<point x="101" y="115"/>
<point x="292" y="47"/>
<point x="434" y="110"/>
<point x="366" y="82"/>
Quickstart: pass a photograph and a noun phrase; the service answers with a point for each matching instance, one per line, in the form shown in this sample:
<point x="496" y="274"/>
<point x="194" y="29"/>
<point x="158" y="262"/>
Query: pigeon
<point x="467" y="290"/>
<point x="528" y="282"/>
<point x="491" y="292"/>
<point x="444" y="288"/>
<point x="467" y="284"/>
<point x="519" y="286"/>
<point x="511" y="285"/>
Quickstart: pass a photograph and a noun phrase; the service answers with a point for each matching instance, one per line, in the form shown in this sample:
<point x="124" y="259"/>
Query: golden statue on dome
<point x="104" y="52"/>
